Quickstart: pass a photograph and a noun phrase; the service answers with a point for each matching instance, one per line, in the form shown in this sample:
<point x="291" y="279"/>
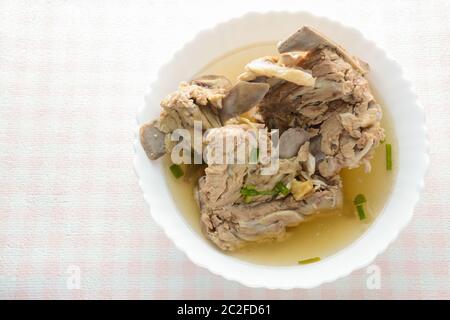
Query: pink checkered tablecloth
<point x="73" y="223"/>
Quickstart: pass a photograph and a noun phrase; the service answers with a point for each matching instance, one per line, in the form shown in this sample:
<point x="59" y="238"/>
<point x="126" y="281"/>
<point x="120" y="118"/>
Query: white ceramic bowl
<point x="385" y="76"/>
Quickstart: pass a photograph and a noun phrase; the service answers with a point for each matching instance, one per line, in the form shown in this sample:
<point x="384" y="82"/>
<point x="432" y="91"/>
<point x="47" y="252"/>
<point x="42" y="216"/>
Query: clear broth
<point x="321" y="235"/>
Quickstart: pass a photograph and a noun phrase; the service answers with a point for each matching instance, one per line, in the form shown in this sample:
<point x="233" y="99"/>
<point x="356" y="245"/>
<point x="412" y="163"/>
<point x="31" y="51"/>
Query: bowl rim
<point x="264" y="277"/>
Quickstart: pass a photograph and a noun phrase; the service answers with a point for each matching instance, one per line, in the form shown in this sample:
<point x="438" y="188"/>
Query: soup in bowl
<point x="275" y="158"/>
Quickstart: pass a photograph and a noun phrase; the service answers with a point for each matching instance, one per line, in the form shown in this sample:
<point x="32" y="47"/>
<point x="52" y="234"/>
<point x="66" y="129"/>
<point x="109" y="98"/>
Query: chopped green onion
<point x="388" y="157"/>
<point x="361" y="212"/>
<point x="254" y="155"/>
<point x="280" y="187"/>
<point x="359" y="199"/>
<point x="176" y="171"/>
<point x="247" y="199"/>
<point x="249" y="191"/>
<point x="382" y="141"/>
<point x="308" y="261"/>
